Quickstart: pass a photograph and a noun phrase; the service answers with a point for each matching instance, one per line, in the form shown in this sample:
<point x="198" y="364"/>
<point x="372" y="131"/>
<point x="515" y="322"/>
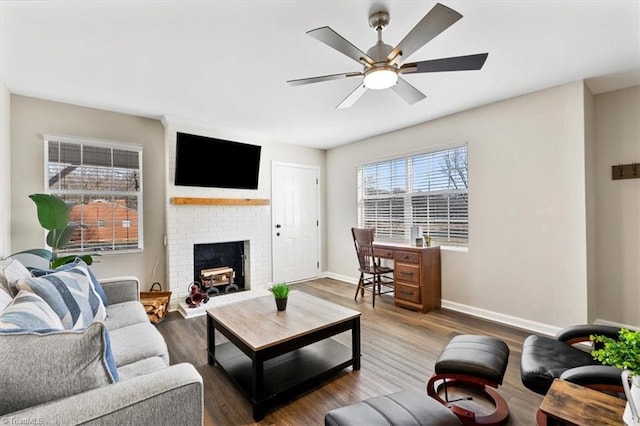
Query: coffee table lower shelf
<point x="286" y="375"/>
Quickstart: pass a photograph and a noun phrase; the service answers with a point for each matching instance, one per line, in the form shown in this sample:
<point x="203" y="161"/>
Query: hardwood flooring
<point x="399" y="349"/>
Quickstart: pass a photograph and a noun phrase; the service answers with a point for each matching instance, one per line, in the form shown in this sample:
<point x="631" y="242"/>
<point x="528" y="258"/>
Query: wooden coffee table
<point x="273" y="356"/>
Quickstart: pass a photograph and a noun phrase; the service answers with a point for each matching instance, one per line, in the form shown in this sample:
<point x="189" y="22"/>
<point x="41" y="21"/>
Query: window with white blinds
<point x="103" y="183"/>
<point x="430" y="190"/>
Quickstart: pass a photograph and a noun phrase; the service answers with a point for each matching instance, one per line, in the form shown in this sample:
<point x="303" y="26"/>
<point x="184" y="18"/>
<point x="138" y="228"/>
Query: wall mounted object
<point x="625" y="171"/>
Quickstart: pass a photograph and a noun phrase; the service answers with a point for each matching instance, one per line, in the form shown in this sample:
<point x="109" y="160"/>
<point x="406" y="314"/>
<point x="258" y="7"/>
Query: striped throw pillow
<point x="71" y="296"/>
<point x="28" y="312"/>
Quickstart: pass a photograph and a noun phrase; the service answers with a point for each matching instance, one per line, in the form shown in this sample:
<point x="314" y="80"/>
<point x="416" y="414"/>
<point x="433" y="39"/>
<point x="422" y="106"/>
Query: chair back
<point x="363" y="242"/>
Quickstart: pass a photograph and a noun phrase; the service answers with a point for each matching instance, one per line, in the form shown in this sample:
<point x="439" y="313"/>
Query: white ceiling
<point x="225" y="63"/>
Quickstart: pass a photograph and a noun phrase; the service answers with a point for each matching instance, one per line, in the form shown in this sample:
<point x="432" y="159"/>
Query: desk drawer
<point x="407" y="272"/>
<point x="408" y="292"/>
<point x="382" y="252"/>
<point x="407" y="256"/>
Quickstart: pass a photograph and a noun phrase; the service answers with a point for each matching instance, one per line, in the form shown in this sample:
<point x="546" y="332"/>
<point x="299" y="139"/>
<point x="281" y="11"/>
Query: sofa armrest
<point x="173" y="395"/>
<point x="121" y="289"/>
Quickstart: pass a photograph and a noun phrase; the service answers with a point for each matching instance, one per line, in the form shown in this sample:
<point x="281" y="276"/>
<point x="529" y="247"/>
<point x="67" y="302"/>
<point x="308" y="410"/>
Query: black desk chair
<point x="373" y="276"/>
<point x="547" y="358"/>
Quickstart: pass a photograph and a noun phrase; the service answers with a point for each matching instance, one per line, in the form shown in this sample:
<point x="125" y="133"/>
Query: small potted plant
<point x="281" y="294"/>
<point x="624" y="353"/>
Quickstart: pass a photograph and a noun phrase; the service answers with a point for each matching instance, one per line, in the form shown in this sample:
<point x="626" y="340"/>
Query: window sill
<point x="461" y="249"/>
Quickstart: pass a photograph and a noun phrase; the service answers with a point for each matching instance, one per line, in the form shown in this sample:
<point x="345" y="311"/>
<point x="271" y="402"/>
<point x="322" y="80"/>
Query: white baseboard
<point x="526" y="324"/>
<point x="615" y="324"/>
<point x="343" y="278"/>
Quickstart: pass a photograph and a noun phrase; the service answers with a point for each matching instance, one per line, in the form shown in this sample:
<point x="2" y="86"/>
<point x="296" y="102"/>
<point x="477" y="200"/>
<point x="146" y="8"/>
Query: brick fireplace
<point x="189" y="225"/>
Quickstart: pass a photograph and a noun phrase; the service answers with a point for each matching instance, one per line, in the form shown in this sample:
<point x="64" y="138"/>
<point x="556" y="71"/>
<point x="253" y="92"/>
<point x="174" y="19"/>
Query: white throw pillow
<point x="5" y="299"/>
<point x="11" y="271"/>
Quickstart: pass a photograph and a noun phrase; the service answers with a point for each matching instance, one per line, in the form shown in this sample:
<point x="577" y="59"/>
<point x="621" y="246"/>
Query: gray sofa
<point x="148" y="391"/>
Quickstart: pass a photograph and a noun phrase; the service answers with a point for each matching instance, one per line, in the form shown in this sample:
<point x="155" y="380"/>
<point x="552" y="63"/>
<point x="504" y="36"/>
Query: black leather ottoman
<point x="476" y="361"/>
<point x="405" y="408"/>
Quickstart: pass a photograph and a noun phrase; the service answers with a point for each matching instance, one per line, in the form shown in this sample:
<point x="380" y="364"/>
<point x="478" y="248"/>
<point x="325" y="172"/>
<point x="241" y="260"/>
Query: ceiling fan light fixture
<point x="380" y="78"/>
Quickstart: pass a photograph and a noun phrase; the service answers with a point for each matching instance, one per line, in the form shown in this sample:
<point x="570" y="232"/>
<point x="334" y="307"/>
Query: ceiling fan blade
<point x="353" y="97"/>
<point x="319" y="79"/>
<point x="341" y="44"/>
<point x="458" y="63"/>
<point x="434" y="22"/>
<point x="410" y="94"/>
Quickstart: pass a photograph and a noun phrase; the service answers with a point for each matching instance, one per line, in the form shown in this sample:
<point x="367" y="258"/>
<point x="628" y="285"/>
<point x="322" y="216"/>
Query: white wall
<point x="618" y="207"/>
<point x="189" y="225"/>
<point x="32" y="118"/>
<point x="527" y="249"/>
<point x="590" y="198"/>
<point x="5" y="171"/>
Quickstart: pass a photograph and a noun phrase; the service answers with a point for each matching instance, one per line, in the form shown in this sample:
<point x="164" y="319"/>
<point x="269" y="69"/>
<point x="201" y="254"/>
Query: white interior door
<point x="294" y="214"/>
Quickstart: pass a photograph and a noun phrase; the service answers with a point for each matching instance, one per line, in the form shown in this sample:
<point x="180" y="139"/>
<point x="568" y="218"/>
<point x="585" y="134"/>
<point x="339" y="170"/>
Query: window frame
<point x="100" y="143"/>
<point x="405" y="193"/>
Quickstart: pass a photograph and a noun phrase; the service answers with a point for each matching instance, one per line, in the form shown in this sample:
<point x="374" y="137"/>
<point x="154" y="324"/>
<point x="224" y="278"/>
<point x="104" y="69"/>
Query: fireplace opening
<point x="219" y="268"/>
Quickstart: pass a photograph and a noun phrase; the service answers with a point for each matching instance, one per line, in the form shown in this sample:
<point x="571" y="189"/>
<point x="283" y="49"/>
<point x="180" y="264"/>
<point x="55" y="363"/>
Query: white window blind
<point x="428" y="189"/>
<point x="103" y="183"/>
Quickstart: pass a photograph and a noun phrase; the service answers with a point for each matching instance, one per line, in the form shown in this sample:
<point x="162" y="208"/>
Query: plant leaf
<point x="43" y="253"/>
<point x="53" y="212"/>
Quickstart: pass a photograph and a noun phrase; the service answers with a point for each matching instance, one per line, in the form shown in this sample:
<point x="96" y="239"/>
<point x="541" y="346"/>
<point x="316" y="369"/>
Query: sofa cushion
<point x="136" y="342"/>
<point x="28" y="312"/>
<point x="141" y="368"/>
<point x="77" y="262"/>
<point x="11" y="271"/>
<point x="70" y="294"/>
<point x="50" y="366"/>
<point x="124" y="314"/>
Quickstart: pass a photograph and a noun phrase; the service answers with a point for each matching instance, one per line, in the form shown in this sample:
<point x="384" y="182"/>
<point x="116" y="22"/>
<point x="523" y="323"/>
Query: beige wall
<point x="618" y="207"/>
<point x="527" y="252"/>
<point x="30" y="120"/>
<point x="5" y="170"/>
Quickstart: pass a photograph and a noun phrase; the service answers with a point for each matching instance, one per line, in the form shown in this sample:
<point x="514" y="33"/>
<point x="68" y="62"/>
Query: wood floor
<point x="399" y="349"/>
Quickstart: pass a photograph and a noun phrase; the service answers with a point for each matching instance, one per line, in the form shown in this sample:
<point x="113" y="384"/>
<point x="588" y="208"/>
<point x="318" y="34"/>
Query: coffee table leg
<point x="257" y="387"/>
<point x="211" y="341"/>
<point x="355" y="343"/>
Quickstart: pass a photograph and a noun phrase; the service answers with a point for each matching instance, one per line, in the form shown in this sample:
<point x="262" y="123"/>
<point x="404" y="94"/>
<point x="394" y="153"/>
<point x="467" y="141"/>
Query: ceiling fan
<point x="383" y="64"/>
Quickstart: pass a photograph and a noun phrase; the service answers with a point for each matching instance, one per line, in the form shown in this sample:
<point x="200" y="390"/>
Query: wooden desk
<point x="416" y="274"/>
<point x="577" y="405"/>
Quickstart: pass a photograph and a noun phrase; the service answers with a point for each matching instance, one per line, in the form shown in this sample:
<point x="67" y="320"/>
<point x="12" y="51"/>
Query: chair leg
<point x="360" y="287"/>
<point x="373" y="293"/>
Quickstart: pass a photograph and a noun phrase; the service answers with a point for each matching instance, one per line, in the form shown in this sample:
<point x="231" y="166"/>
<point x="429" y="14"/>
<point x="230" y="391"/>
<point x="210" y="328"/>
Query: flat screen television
<point x="216" y="163"/>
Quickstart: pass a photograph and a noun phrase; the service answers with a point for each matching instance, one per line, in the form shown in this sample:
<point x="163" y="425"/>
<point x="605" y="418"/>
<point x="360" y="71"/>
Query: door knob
<point x="277" y="234"/>
<point x="278" y="226"/>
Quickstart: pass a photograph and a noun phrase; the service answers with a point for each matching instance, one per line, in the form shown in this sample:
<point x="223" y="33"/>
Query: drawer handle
<point x="406" y="257"/>
<point x="410" y="274"/>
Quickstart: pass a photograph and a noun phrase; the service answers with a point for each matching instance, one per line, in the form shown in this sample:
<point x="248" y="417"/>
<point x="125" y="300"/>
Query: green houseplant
<point x="624" y="353"/>
<point x="53" y="215"/>
<point x="281" y="294"/>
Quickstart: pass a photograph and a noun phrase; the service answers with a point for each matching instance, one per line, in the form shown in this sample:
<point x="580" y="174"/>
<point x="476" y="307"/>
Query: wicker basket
<point x="156" y="303"/>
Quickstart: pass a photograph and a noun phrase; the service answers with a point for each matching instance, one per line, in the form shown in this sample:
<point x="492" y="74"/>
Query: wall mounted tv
<point x="216" y="163"/>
